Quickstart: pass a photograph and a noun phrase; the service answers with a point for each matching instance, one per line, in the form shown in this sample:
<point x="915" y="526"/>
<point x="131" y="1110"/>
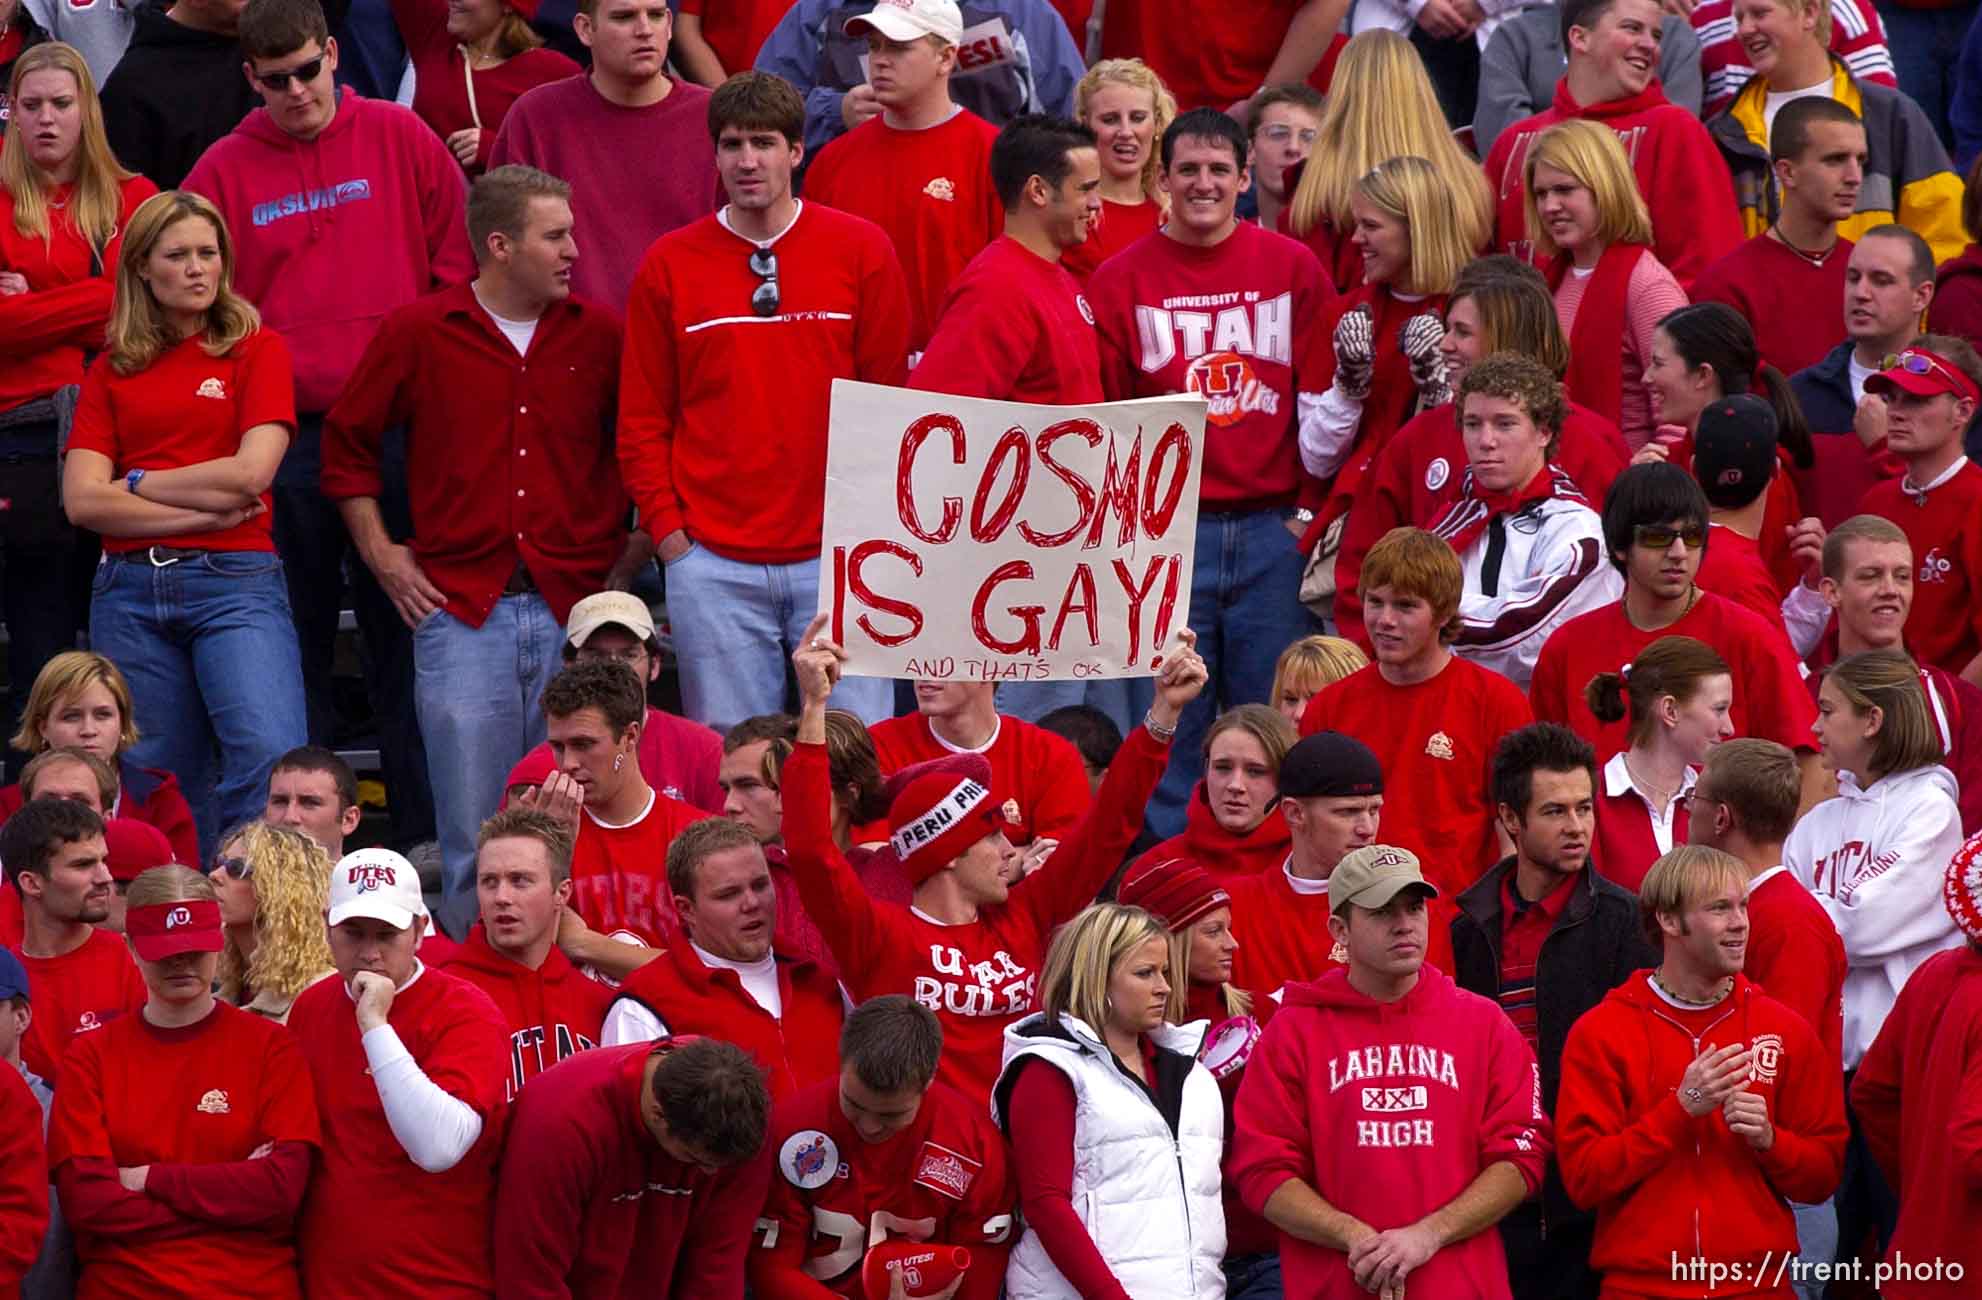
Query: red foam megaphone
<point x="925" y="1267"/>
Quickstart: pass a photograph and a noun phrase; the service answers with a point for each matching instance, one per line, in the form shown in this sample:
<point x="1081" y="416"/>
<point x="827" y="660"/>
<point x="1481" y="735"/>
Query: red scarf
<point x="1652" y="96"/>
<point x="1596" y="344"/>
<point x="1462" y="522"/>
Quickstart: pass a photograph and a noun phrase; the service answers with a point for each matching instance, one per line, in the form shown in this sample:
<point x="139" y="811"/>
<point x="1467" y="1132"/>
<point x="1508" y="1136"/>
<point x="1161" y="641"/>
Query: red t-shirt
<point x="1204" y="63"/>
<point x="1944" y="525"/>
<point x="930" y="190"/>
<point x="619" y="874"/>
<point x="1036" y="776"/>
<point x="1015" y="328"/>
<point x="1796" y="954"/>
<point x="77" y="993"/>
<point x="185" y="408"/>
<point x="1782" y="294"/>
<point x="1769" y="699"/>
<point x="944" y="1179"/>
<point x="1733" y="568"/>
<point x="1233" y="322"/>
<point x="205" y="1094"/>
<point x="737" y="29"/>
<point x="1435" y="740"/>
<point x="1118" y="226"/>
<point x="437" y="1244"/>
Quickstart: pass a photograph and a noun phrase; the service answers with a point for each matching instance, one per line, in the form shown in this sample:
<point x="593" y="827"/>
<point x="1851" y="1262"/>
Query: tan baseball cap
<point x="906" y="20"/>
<point x="606" y="609"/>
<point x="1373" y="875"/>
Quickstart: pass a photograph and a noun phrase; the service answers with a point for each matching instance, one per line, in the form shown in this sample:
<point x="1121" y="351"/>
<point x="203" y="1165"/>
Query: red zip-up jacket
<point x="1918" y="1094"/>
<point x="800" y="1047"/>
<point x="552" y="1011"/>
<point x="1664" y="1183"/>
<point x="1388" y="1110"/>
<point x="590" y="1205"/>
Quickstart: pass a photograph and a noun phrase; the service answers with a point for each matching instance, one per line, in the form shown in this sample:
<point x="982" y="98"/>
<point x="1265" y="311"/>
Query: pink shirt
<point x="1653" y="294"/>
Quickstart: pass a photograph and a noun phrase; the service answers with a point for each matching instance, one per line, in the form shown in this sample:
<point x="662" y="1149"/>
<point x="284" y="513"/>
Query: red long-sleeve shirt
<point x="552" y="1011"/>
<point x="23" y="1180"/>
<point x="722" y="411"/>
<point x="980" y="976"/>
<point x="77" y="994"/>
<point x="45" y="331"/>
<point x="1015" y="328"/>
<point x="1796" y="955"/>
<point x="1036" y="777"/>
<point x="1918" y="1094"/>
<point x="1781" y="293"/>
<point x="1417" y="477"/>
<point x="509" y="456"/>
<point x="441" y="94"/>
<point x="590" y="1205"/>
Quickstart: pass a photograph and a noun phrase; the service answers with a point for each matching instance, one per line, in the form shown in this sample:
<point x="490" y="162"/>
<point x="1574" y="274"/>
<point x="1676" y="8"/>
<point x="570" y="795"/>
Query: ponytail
<point x="1605" y="696"/>
<point x="1713" y="334"/>
<point x="1670" y="666"/>
<point x="1792" y="430"/>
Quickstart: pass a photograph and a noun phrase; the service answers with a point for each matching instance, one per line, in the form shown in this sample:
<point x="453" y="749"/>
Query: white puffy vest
<point x="1150" y="1202"/>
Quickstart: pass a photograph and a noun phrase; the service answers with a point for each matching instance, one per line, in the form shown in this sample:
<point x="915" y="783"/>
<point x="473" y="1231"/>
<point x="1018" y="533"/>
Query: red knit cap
<point x="1962" y="888"/>
<point x="1177" y="891"/>
<point x="936" y="817"/>
<point x="533" y="769"/>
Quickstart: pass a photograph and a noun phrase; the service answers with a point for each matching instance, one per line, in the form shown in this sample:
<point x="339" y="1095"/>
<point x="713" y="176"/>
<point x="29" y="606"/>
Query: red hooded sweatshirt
<point x="1388" y="1110"/>
<point x="1679" y="168"/>
<point x="1219" y="851"/>
<point x="552" y="1011"/>
<point x="1664" y="1183"/>
<point x="331" y="234"/>
<point x="1957" y="305"/>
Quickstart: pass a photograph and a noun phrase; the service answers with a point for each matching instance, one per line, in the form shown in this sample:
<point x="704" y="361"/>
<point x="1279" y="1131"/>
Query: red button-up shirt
<point x="509" y="457"/>
<point x="1523" y="927"/>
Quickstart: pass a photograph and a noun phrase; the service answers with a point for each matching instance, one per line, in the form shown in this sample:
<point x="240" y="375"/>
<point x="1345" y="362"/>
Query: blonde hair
<point x="67" y="675"/>
<point x="138" y="333"/>
<point x="1682" y="878"/>
<point x="1381" y="106"/>
<point x="1589" y="152"/>
<point x="1073" y="981"/>
<point x="292" y="890"/>
<point x="171" y="883"/>
<point x="1237" y="1001"/>
<point x="97" y="199"/>
<point x="1315" y="662"/>
<point x="1136" y="75"/>
<point x="1411" y="190"/>
<point x="514" y="35"/>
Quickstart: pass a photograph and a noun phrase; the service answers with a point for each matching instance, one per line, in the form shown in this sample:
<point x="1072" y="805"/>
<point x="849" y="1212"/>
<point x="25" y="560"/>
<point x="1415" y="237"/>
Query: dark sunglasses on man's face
<point x="303" y="72"/>
<point x="1660" y="537"/>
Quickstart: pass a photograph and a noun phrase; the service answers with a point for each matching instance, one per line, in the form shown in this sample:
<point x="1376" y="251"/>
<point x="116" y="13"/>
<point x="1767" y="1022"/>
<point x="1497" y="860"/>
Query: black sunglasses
<point x="238" y="868"/>
<point x="303" y="72"/>
<point x="1661" y="536"/>
<point x="764" y="265"/>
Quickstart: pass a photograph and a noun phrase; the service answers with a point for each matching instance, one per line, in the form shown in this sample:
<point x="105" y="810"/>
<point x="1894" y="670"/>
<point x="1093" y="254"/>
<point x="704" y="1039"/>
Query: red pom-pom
<point x="926" y="1268"/>
<point x="1962" y="888"/>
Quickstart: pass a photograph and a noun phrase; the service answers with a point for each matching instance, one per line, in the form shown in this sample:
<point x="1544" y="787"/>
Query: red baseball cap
<point x="1923" y="374"/>
<point x="134" y="847"/>
<point x="161" y="930"/>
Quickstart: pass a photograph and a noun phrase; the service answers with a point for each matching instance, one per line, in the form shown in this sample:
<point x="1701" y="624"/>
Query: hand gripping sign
<point x="970" y="540"/>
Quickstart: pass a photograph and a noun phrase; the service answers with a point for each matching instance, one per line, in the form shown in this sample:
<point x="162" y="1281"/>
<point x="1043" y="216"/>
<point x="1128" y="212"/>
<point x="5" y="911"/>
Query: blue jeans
<point x="1926" y="48"/>
<point x="477" y="690"/>
<point x="1253" y="1277"/>
<point x="1245" y="608"/>
<point x="209" y="648"/>
<point x="1816" y="1243"/>
<point x="735" y="626"/>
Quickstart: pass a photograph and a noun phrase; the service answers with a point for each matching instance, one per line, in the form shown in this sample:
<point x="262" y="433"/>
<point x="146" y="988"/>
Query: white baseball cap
<point x="905" y="20"/>
<point x="609" y="609"/>
<point x="377" y="883"/>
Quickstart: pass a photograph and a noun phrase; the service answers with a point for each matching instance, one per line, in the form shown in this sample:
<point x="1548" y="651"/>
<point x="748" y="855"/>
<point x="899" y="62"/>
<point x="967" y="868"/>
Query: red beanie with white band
<point x="1962" y="888"/>
<point x="935" y="818"/>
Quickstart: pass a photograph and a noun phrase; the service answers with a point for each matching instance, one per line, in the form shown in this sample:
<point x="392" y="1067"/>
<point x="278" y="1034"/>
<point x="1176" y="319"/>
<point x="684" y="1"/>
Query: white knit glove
<point x="1355" y="352"/>
<point x="1419" y="340"/>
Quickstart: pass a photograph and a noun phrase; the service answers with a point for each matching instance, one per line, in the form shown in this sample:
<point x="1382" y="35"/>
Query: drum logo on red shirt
<point x="214" y="1103"/>
<point x="1439" y="746"/>
<point x="212" y="387"/>
<point x="941" y="188"/>
<point x="946" y="1172"/>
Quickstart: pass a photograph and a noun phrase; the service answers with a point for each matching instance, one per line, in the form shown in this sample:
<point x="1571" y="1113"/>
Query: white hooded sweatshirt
<point x="1875" y="859"/>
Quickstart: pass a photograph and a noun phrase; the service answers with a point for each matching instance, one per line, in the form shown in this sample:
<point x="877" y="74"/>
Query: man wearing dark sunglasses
<point x="1655" y="529"/>
<point x="341" y="210"/>
<point x="736" y="328"/>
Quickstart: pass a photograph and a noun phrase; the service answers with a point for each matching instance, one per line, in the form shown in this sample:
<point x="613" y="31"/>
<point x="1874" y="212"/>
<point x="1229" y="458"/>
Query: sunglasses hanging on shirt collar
<point x="764" y="265"/>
